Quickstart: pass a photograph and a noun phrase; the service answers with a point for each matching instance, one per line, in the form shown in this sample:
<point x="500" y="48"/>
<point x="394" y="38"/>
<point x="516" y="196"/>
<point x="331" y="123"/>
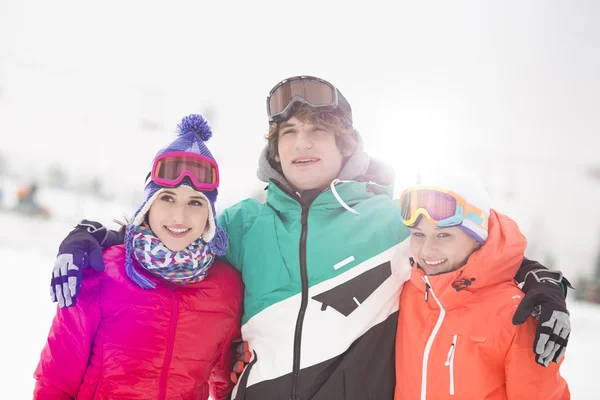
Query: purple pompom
<point x="197" y="124"/>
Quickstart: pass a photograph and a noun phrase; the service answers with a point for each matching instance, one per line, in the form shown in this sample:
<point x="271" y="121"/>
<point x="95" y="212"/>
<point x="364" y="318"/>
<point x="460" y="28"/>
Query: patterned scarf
<point x="185" y="266"/>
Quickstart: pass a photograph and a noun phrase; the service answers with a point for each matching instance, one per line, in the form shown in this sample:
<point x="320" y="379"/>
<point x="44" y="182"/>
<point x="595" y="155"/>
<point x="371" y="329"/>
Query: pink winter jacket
<point x="124" y="342"/>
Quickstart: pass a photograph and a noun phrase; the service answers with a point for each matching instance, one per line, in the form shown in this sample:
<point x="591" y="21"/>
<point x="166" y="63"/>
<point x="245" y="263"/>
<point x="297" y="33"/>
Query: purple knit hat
<point x="192" y="133"/>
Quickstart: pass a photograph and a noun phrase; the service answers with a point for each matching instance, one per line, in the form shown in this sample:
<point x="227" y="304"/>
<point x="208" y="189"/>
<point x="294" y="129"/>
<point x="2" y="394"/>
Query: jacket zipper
<point x="170" y="343"/>
<point x="304" y="294"/>
<point x="450" y="363"/>
<point x="303" y="304"/>
<point x="429" y="344"/>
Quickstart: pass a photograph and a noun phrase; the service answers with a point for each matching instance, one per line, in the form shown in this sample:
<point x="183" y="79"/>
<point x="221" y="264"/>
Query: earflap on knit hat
<point x="466" y="184"/>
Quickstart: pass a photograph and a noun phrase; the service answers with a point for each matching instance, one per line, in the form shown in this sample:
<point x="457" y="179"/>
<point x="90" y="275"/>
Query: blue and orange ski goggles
<point x="442" y="207"/>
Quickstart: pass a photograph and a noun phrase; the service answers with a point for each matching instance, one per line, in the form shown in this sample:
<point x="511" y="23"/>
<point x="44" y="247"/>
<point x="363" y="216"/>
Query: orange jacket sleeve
<point x="65" y="356"/>
<point x="526" y="379"/>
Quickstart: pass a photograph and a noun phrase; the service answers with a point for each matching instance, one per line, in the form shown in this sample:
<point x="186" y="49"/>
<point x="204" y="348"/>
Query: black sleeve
<point x="101" y="234"/>
<point x="526" y="266"/>
<point x="114" y="238"/>
<point x="531" y="265"/>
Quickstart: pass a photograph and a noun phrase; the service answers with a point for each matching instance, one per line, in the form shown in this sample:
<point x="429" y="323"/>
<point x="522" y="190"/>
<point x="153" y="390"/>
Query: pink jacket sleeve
<point x="525" y="379"/>
<point x="65" y="356"/>
<point x="220" y="383"/>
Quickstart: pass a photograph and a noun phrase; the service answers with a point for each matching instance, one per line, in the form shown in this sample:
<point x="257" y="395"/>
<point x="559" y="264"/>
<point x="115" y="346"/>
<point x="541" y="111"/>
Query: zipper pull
<point x="450" y="363"/>
<point x="427" y="287"/>
<point x="447" y="363"/>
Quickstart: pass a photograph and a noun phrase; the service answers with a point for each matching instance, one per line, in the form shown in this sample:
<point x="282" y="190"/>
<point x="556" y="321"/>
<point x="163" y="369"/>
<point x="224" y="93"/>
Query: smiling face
<point x="179" y="216"/>
<point x="440" y="250"/>
<point x="308" y="154"/>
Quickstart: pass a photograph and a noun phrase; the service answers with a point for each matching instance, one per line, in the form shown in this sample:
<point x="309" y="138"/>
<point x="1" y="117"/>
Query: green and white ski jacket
<point x="322" y="280"/>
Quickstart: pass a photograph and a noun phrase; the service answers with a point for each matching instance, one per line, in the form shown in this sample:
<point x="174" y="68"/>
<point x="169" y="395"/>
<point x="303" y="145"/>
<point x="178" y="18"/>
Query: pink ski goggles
<point x="169" y="169"/>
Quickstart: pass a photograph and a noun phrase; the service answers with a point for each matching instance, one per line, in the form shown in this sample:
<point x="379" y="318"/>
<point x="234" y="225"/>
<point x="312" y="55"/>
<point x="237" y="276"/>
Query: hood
<point x="497" y="261"/>
<point x="358" y="167"/>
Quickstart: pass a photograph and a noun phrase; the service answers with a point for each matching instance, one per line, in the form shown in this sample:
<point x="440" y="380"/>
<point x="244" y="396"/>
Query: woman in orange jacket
<point x="455" y="337"/>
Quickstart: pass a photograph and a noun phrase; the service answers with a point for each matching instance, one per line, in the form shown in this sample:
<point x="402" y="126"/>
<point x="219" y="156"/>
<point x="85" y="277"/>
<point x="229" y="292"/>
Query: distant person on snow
<point x="26" y="199"/>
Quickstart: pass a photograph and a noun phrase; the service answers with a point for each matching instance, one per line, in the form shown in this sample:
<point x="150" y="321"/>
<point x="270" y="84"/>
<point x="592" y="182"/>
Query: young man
<point x="317" y="260"/>
<point x="455" y="334"/>
<point x="323" y="260"/>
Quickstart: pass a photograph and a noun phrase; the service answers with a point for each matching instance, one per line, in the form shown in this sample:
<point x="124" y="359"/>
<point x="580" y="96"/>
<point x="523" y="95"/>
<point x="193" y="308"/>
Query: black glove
<point x="545" y="299"/>
<point x="81" y="248"/>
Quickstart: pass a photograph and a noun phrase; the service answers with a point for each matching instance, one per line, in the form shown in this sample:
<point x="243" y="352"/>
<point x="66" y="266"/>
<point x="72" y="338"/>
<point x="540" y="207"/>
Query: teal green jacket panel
<point x="264" y="239"/>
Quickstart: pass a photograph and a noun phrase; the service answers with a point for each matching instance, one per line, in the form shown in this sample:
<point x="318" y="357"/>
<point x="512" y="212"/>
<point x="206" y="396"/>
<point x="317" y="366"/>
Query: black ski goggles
<point x="310" y="90"/>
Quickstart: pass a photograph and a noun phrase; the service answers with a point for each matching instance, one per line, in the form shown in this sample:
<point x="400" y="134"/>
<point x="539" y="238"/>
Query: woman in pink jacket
<point x="160" y="321"/>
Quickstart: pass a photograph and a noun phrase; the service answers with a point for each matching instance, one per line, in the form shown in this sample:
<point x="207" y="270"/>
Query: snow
<point x="28" y="247"/>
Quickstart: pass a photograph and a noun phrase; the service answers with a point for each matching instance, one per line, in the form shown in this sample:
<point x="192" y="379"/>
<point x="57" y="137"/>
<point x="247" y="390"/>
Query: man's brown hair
<point x="346" y="137"/>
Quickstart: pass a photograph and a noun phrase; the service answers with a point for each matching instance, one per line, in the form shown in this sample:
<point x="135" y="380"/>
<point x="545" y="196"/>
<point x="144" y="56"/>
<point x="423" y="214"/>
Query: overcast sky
<point x="512" y="87"/>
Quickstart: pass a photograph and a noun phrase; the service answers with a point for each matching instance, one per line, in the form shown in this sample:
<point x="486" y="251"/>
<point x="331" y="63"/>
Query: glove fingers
<point x="563" y="348"/>
<point x="242" y="347"/>
<point x="545" y="359"/>
<point x="57" y="280"/>
<point x="238" y="366"/>
<point x="548" y="330"/>
<point x="72" y="285"/>
<point x="543" y="345"/>
<point x="552" y="335"/>
<point x="244" y="357"/>
<point x="555" y="342"/>
<point x="67" y="294"/>
<point x="542" y="361"/>
<point x="59" y="295"/>
<point x="542" y="342"/>
<point x="560" y="354"/>
<point x="560" y="328"/>
<point x="553" y="353"/>
<point x="523" y="311"/>
<point x="73" y="280"/>
<point x="52" y="294"/>
<point x="546" y="338"/>
<point x="66" y="277"/>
